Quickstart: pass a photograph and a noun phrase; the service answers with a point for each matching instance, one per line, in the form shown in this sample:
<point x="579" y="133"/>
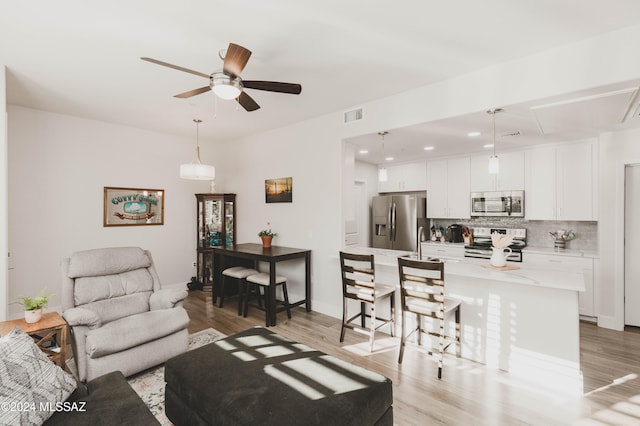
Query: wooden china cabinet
<point x="216" y="223"/>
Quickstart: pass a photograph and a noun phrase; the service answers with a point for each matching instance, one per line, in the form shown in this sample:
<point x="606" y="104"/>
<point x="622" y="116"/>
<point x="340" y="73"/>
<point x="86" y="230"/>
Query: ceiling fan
<point x="227" y="83"/>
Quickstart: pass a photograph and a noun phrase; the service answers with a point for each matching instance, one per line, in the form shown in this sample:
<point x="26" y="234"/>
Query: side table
<point x="51" y="326"/>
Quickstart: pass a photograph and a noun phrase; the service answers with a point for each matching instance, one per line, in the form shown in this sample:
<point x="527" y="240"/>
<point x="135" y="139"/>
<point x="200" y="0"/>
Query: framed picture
<point x="278" y="190"/>
<point x="133" y="206"/>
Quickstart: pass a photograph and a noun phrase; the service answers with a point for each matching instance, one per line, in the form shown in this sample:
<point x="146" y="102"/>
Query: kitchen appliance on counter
<point x="497" y="203"/>
<point x="453" y="234"/>
<point x="395" y="221"/>
<point x="481" y="247"/>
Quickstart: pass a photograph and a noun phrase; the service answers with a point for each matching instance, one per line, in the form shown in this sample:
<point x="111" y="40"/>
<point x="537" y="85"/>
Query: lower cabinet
<point x="590" y="270"/>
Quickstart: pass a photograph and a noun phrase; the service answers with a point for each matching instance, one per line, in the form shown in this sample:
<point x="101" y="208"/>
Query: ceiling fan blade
<point x="175" y="67"/>
<point x="247" y="102"/>
<point x="235" y="59"/>
<point x="193" y="92"/>
<point x="273" y="86"/>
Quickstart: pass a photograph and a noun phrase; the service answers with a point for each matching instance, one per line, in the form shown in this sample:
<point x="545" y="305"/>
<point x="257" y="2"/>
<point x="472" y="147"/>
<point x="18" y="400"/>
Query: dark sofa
<point x="105" y="400"/>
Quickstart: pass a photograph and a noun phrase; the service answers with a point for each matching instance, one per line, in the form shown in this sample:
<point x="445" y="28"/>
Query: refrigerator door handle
<point x="394" y="229"/>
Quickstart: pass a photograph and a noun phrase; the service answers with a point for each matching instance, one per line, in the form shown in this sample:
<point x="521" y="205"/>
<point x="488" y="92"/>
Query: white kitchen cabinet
<point x="575" y="182"/>
<point x="560" y="183"/>
<point x="448" y="188"/>
<point x="590" y="272"/>
<point x="509" y="178"/>
<point x="442" y="250"/>
<point x="405" y="177"/>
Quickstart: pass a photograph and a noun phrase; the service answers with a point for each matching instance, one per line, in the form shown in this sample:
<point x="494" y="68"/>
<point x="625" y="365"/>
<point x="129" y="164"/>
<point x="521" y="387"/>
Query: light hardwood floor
<point x="469" y="393"/>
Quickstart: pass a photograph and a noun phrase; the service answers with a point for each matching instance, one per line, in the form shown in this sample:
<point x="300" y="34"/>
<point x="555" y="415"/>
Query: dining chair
<point x="422" y="292"/>
<point x="359" y="284"/>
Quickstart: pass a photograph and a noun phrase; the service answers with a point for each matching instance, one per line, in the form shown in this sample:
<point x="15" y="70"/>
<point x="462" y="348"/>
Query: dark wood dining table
<point x="250" y="254"/>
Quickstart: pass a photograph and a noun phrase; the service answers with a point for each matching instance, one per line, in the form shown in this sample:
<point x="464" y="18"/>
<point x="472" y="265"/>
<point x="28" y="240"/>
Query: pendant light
<point x="197" y="170"/>
<point x="382" y="171"/>
<point x="494" y="162"/>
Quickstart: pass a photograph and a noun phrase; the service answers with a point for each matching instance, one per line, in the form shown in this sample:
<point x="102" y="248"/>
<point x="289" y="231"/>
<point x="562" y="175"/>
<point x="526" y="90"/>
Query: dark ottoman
<point x="260" y="377"/>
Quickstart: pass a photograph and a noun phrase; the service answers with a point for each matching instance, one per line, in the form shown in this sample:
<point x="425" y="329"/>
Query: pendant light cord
<point x="494" y="132"/>
<point x="197" y="121"/>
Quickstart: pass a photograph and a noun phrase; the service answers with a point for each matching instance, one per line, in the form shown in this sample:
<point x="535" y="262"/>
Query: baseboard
<point x="610" y="322"/>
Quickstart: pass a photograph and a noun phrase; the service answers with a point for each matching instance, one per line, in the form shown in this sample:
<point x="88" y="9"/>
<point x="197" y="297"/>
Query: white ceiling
<point x="83" y="58"/>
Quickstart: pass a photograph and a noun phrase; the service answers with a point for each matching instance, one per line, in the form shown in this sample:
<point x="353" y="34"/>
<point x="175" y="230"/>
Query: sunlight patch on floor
<point x="379" y="346"/>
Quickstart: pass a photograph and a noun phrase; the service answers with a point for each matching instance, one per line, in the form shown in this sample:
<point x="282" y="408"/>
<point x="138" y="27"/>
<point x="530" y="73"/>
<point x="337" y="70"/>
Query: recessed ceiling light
<point x="428" y="148"/>
<point x="389" y="158"/>
<point x="473" y="134"/>
<point x="363" y="151"/>
<point x="489" y="145"/>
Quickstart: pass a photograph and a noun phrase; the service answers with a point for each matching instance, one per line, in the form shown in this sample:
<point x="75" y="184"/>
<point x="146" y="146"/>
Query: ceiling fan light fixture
<point x="224" y="86"/>
<point x="197" y="170"/>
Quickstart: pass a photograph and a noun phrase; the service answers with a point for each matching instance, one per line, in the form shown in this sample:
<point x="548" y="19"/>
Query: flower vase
<point x="266" y="241"/>
<point x="498" y="257"/>
<point x="33" y="316"/>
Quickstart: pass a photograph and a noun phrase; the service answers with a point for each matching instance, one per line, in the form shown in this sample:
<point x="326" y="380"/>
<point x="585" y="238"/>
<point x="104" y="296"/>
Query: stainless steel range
<point x="481" y="247"/>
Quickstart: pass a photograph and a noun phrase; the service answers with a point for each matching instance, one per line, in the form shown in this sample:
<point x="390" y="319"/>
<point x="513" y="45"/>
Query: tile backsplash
<point x="537" y="230"/>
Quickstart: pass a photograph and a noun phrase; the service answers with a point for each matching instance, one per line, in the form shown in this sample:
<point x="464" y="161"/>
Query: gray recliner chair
<point x="120" y="317"/>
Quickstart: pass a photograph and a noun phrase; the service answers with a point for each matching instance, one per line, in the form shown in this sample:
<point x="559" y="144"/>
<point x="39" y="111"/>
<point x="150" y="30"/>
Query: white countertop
<point x="529" y="249"/>
<point x="480" y="269"/>
<point x="593" y="254"/>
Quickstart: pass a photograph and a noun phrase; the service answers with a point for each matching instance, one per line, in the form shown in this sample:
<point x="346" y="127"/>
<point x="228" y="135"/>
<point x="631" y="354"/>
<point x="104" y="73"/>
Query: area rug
<point x="150" y="383"/>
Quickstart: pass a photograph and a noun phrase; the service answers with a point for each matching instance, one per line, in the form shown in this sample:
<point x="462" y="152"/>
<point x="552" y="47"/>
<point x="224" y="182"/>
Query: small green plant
<point x="267" y="232"/>
<point x="33" y="303"/>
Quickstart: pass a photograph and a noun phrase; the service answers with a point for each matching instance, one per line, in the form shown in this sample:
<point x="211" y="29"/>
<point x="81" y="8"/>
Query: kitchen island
<point x="523" y="319"/>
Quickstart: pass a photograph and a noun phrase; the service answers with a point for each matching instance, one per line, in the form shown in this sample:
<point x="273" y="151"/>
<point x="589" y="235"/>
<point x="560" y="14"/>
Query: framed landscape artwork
<point x="133" y="206"/>
<point x="278" y="190"/>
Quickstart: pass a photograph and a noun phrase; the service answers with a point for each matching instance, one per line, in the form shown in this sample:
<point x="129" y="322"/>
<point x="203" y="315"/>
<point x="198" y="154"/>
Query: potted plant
<point x="266" y="235"/>
<point x="33" y="305"/>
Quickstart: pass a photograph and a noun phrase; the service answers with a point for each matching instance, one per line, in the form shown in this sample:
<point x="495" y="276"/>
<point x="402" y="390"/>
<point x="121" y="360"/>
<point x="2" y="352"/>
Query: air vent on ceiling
<point x="353" y="115"/>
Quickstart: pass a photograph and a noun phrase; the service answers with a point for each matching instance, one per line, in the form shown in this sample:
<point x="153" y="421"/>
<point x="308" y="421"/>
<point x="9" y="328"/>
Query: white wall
<point x="616" y="150"/>
<point x="309" y="152"/>
<point x="58" y="168"/>
<point x="4" y="208"/>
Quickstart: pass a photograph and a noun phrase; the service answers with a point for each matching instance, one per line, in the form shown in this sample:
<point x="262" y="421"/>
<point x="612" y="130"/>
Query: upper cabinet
<point x="560" y="182"/>
<point x="509" y="178"/>
<point x="405" y="177"/>
<point x="448" y="188"/>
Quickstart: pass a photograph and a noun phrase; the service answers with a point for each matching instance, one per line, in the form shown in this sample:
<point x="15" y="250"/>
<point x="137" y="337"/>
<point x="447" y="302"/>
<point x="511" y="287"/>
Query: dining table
<point x="251" y="255"/>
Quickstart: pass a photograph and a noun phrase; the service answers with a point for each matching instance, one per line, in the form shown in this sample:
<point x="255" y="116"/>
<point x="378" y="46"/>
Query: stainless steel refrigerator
<point x="395" y="221"/>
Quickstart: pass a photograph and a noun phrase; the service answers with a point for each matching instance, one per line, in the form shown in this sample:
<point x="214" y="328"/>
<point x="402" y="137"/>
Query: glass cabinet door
<point x="213" y="211"/>
<point x="229" y="222"/>
<point x="216" y="228"/>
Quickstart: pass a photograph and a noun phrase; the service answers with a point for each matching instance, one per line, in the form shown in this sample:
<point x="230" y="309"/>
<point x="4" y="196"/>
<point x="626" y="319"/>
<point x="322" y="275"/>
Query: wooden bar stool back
<point x="422" y="294"/>
<point x="359" y="284"/>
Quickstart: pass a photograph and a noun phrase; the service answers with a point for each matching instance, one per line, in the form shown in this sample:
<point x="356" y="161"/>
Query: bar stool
<point x="262" y="280"/>
<point x="240" y="273"/>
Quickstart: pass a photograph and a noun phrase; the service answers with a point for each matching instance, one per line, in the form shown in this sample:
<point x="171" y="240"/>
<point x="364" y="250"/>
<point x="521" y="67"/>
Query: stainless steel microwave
<point x="497" y="203"/>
